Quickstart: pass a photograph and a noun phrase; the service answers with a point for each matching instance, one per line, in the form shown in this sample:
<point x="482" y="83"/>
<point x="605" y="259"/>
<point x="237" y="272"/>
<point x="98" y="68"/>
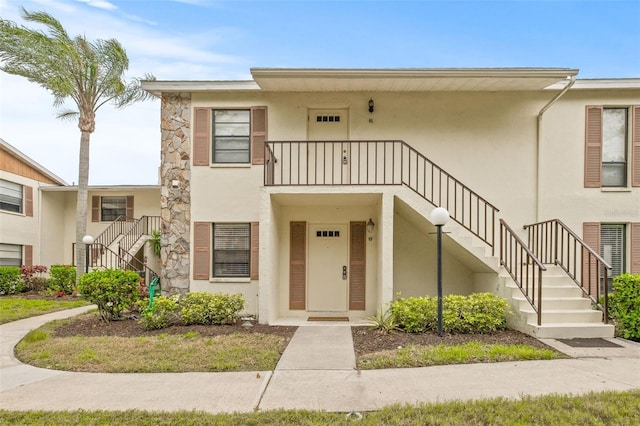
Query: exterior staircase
<point x="565" y="312"/>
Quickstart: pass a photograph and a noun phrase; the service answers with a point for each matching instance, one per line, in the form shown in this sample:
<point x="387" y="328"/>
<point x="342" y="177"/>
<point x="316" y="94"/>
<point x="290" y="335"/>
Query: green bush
<point x="477" y="313"/>
<point x="112" y="290"/>
<point x="162" y="314"/>
<point x="62" y="278"/>
<point x="10" y="281"/>
<point x="415" y="314"/>
<point x="624" y="305"/>
<point x="210" y="308"/>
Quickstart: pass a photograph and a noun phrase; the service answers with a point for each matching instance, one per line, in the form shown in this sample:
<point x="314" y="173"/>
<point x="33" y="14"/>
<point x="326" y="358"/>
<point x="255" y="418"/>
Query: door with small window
<point x="328" y="153"/>
<point x="328" y="268"/>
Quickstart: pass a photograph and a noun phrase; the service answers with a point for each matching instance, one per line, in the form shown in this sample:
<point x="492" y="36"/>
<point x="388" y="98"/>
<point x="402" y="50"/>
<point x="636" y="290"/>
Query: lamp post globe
<point x="87" y="240"/>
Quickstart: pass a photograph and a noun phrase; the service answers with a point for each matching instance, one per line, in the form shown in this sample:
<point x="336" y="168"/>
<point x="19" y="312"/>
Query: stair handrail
<point x="102" y="257"/>
<point x="379" y="162"/>
<point x="556" y="243"/>
<point x="115" y="228"/>
<point x="523" y="266"/>
<point x="449" y="198"/>
<point x="140" y="227"/>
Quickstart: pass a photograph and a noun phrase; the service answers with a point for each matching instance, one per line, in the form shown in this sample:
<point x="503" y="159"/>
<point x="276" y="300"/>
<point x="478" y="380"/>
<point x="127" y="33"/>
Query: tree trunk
<point x="81" y="207"/>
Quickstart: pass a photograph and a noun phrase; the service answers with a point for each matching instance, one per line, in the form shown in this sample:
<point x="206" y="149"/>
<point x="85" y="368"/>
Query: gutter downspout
<point x="572" y="80"/>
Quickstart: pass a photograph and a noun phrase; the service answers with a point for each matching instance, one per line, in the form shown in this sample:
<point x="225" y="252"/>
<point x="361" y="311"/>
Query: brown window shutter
<point x="28" y="200"/>
<point x="95" y="208"/>
<point x="590" y="272"/>
<point x="28" y="256"/>
<point x="297" y="265"/>
<point x="201" y="136"/>
<point x="593" y="147"/>
<point x="258" y="134"/>
<point x="201" y="247"/>
<point x="635" y="248"/>
<point x="357" y="266"/>
<point x="255" y="247"/>
<point x="129" y="211"/>
<point x="635" y="145"/>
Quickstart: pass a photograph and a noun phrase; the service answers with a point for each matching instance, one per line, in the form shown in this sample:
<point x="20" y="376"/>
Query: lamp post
<point x="87" y="240"/>
<point x="439" y="217"/>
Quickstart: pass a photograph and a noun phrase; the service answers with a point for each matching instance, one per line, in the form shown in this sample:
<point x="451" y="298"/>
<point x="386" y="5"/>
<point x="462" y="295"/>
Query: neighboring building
<point x="38" y="217"/>
<point x="309" y="191"/>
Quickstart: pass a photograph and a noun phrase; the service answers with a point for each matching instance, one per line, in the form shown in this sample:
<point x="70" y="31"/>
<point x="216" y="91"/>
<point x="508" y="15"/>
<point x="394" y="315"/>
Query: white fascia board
<point x="156" y="87"/>
<point x="102" y="188"/>
<point x="23" y="157"/>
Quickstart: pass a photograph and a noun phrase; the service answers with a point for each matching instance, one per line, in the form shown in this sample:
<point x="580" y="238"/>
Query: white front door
<point x="329" y="162"/>
<point x="328" y="262"/>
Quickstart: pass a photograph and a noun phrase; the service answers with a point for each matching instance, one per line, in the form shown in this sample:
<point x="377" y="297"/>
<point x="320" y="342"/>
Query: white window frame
<point x="8" y="253"/>
<point x="220" y="134"/>
<point x="230" y="246"/>
<point x="613" y="252"/>
<point x="11" y="194"/>
<point x="611" y="165"/>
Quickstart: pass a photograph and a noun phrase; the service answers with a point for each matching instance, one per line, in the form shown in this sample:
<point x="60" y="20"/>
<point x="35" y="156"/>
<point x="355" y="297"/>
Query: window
<point x="612" y="244"/>
<point x="10" y="255"/>
<point x="614" y="147"/>
<point x="10" y="196"/>
<point x="112" y="208"/>
<point x="231" y="250"/>
<point x="231" y="136"/>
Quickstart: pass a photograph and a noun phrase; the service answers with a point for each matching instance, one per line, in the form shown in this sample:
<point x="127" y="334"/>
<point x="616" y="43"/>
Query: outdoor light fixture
<point x="439" y="217"/>
<point x="87" y="240"/>
<point x="370" y="226"/>
<point x="371" y="105"/>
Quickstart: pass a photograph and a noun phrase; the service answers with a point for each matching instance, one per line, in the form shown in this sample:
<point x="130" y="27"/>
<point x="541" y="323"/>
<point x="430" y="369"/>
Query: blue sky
<point x="221" y="40"/>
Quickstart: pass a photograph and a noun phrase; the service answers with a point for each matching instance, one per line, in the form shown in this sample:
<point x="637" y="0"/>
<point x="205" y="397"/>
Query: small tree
<point x="90" y="74"/>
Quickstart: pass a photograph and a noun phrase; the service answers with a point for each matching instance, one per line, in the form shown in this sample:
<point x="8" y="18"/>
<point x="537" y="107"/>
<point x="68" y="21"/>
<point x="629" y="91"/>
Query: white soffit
<point x="409" y="80"/>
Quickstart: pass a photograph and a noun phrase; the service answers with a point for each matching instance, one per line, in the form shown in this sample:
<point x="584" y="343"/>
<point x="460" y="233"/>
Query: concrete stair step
<point x="564" y="316"/>
<point x="556" y="303"/>
<point x="572" y="330"/>
<point x="571" y="291"/>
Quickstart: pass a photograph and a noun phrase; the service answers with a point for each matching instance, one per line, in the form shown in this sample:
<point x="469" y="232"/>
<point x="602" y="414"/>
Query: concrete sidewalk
<point x="316" y="372"/>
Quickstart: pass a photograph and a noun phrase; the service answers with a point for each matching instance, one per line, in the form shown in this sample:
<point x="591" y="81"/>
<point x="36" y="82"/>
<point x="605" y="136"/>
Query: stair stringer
<point x="453" y="230"/>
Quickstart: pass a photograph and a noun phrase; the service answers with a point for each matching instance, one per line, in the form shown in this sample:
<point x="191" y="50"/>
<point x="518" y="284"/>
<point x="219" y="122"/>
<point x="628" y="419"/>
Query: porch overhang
<point x="409" y="79"/>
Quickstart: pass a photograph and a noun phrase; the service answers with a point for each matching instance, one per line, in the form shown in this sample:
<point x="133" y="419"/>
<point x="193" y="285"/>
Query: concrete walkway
<point x="315" y="372"/>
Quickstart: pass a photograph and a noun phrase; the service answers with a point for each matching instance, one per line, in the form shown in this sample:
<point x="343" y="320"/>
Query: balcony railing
<point x="555" y="243"/>
<point x="313" y="163"/>
<point x="143" y="226"/>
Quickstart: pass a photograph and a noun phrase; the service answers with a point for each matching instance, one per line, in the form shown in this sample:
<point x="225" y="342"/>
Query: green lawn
<point x="603" y="408"/>
<point x="14" y="307"/>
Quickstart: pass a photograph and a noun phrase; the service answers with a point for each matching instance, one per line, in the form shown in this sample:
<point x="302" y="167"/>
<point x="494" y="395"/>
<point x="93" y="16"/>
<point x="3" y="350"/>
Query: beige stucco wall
<point x="59" y="218"/>
<point x="17" y="228"/>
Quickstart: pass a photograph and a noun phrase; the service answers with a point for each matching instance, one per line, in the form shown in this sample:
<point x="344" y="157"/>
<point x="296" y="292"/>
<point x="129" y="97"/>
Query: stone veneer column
<point x="175" y="203"/>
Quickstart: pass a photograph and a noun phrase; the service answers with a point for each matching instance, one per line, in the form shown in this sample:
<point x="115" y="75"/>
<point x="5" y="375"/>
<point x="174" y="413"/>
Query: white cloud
<point x="100" y="4"/>
<point x="125" y="148"/>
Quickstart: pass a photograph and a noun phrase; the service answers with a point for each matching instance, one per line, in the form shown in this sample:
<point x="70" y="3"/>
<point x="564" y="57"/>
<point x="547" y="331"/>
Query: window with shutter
<point x="112" y="208"/>
<point x="201" y="250"/>
<point x="612" y="146"/>
<point x="635" y="248"/>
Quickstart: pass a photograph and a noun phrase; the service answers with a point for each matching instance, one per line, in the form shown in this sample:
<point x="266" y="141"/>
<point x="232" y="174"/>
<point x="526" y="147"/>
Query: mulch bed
<point x="365" y="340"/>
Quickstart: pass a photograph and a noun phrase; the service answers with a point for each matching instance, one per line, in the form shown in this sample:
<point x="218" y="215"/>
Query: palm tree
<point x="90" y="74"/>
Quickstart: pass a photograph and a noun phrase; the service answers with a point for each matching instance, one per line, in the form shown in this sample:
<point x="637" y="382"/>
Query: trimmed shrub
<point x="162" y="314"/>
<point x="33" y="277"/>
<point x="113" y="290"/>
<point x="624" y="305"/>
<point x="415" y="314"/>
<point x="210" y="308"/>
<point x="477" y="313"/>
<point x="10" y="281"/>
<point x="62" y="279"/>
